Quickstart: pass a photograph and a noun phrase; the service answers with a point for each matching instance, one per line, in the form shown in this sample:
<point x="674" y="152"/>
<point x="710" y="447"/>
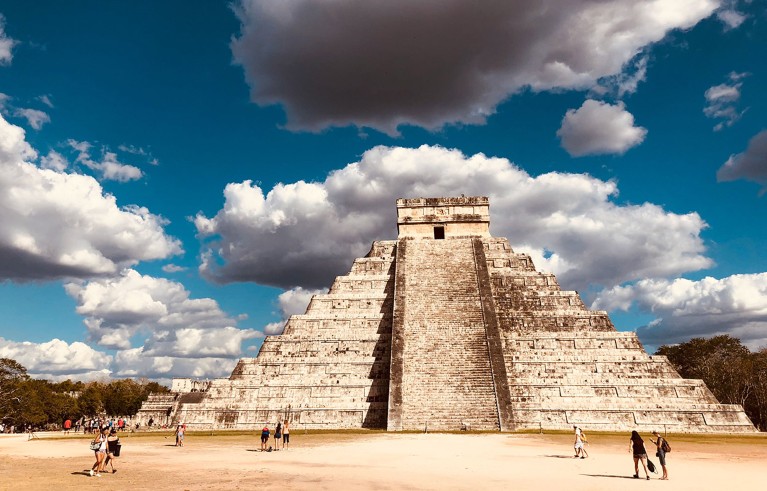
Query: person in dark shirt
<point x="264" y="437"/>
<point x="636" y="447"/>
<point x="113" y="450"/>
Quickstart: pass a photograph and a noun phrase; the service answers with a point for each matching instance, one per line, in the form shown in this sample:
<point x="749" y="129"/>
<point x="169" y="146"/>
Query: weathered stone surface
<point x="449" y="328"/>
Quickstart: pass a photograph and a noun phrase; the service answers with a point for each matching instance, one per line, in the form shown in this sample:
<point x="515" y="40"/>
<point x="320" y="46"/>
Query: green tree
<point x="12" y="376"/>
<point x="722" y="362"/>
<point x="758" y="409"/>
<point x="91" y="400"/>
<point x="732" y="373"/>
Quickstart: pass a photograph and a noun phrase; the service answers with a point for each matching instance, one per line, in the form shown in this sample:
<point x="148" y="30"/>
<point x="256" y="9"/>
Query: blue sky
<point x="176" y="178"/>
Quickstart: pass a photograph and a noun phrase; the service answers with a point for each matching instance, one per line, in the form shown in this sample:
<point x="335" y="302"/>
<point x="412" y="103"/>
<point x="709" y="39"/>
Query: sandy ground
<point x="380" y="461"/>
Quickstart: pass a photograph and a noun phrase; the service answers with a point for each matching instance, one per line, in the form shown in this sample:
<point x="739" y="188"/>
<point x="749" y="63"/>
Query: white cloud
<point x="173" y="268"/>
<point x="599" y="128"/>
<point x="57" y="359"/>
<point x="54" y="161"/>
<point x="304" y="234"/>
<point x="731" y="18"/>
<point x="35" y="118"/>
<point x="735" y="305"/>
<point x="6" y="44"/>
<point x="56" y="225"/>
<point x="383" y="64"/>
<point x="134" y="150"/>
<point x="116" y="309"/>
<point x="108" y="167"/>
<point x="626" y="82"/>
<point x="46" y="99"/>
<point x="136" y="363"/>
<point x="291" y="302"/>
<point x="722" y="100"/>
<point x="750" y="165"/>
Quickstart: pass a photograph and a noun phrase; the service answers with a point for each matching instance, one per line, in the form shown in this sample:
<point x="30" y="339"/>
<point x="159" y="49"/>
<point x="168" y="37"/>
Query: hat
<point x="655" y="432"/>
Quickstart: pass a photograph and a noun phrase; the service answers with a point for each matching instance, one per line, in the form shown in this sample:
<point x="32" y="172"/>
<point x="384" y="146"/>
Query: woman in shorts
<point x="636" y="447"/>
<point x="660" y="453"/>
<point x="101" y="453"/>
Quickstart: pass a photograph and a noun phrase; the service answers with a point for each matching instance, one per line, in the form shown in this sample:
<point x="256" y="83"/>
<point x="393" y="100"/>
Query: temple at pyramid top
<point x="449" y="328"/>
<point x="439" y="218"/>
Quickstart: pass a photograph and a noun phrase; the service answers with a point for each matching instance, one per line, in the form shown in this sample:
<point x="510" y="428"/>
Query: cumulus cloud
<point x="57" y="359"/>
<point x="108" y="167"/>
<point x="136" y="363"/>
<point x="304" y="234"/>
<point x="116" y="309"/>
<point x="735" y="305"/>
<point x="54" y="161"/>
<point x="384" y="64"/>
<point x="6" y="44"/>
<point x="722" y="101"/>
<point x="599" y="128"/>
<point x="291" y="302"/>
<point x="34" y="117"/>
<point x="56" y="225"/>
<point x="750" y="165"/>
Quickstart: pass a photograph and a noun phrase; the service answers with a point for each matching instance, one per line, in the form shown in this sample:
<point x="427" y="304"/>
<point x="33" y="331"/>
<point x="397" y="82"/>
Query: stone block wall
<point x="444" y="334"/>
<point x="329" y="368"/>
<point x="568" y="366"/>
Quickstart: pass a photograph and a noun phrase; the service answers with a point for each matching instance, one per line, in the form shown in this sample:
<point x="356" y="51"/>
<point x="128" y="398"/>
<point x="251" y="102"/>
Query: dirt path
<point x="379" y="461"/>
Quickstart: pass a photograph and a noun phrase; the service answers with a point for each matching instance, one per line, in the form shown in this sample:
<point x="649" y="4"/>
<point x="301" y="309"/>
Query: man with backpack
<point x="663" y="448"/>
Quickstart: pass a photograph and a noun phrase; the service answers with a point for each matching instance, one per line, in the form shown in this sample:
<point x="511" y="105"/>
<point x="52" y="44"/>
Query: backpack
<point x="665" y="446"/>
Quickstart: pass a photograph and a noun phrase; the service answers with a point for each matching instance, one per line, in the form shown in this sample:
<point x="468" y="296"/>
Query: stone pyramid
<point x="448" y="328"/>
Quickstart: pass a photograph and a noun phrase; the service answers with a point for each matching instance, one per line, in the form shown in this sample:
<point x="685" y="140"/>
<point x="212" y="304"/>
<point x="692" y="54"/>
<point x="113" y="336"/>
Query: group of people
<point x="281" y="432"/>
<point x="636" y="447"/>
<point x="106" y="446"/>
<point x="94" y="425"/>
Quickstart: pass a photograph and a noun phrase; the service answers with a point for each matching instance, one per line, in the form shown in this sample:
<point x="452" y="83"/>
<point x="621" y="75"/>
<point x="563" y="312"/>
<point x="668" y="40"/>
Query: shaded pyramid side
<point x="567" y="365"/>
<point x="329" y="368"/>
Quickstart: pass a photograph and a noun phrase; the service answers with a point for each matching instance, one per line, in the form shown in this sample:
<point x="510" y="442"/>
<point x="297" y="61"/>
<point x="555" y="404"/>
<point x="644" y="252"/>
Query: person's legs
<point x="100" y="461"/>
<point x="636" y="467"/>
<point x="644" y="465"/>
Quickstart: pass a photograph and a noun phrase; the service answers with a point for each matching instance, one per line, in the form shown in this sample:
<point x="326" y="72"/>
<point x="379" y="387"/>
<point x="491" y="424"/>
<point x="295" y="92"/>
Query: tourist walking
<point x="277" y="435"/>
<point x="100" y="444"/>
<point x="264" y="437"/>
<point x="636" y="447"/>
<point x="285" y="434"/>
<point x="180" y="434"/>
<point x="579" y="445"/>
<point x="661" y="452"/>
<point x="113" y="449"/>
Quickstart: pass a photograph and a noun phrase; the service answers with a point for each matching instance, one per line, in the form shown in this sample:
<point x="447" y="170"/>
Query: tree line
<point x="25" y="401"/>
<point x="733" y="373"/>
